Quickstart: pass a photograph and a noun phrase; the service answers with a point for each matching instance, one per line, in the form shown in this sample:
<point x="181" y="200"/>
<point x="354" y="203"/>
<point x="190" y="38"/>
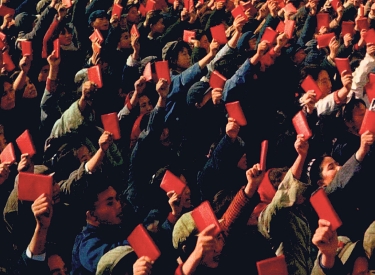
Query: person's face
<point x="30" y="90"/>
<point x="356" y="3"/>
<point x="66" y="38"/>
<point x="108" y="209"/>
<point x="242" y="163"/>
<point x="204" y="43"/>
<point x="83" y="154"/>
<point x="324" y="83"/>
<point x="145" y="105"/>
<point x="211" y="258"/>
<point x="133" y="16"/>
<point x="252" y="44"/>
<point x="357" y="117"/>
<point x="102" y="24"/>
<point x="55" y="193"/>
<point x="360" y="266"/>
<point x="183" y="59"/>
<point x="123" y="23"/>
<point x="43" y="74"/>
<point x="3" y="141"/>
<point x="186" y="197"/>
<point x="125" y="42"/>
<point x="299" y="56"/>
<point x="164" y="138"/>
<point x="329" y="168"/>
<point x="8" y="98"/>
<point x="158" y="27"/>
<point x="57" y="266"/>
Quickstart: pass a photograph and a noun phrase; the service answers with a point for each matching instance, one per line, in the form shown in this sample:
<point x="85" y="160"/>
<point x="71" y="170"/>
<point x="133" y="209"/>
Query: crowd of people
<point x="105" y="185"/>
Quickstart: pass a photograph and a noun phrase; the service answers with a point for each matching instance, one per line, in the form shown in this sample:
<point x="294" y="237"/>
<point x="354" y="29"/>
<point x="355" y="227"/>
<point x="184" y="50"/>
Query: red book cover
<point x="67" y="3"/>
<point x="217" y="80"/>
<point x="239" y="11"/>
<point x="249" y="6"/>
<point x="335" y="4"/>
<point x="218" y="33"/>
<point x="25" y="143"/>
<point x="160" y="4"/>
<point x="134" y="31"/>
<point x="96" y="47"/>
<point x="147" y="73"/>
<point x="204" y="216"/>
<point x="263" y="155"/>
<point x="31" y="186"/>
<point x="280" y="27"/>
<point x="172" y="183"/>
<point x="347" y="27"/>
<point x="187" y="5"/>
<point x="322" y="19"/>
<point x="143" y="244"/>
<point x="370" y="36"/>
<point x="362" y="23"/>
<point x="96" y="36"/>
<point x="271" y="266"/>
<point x="2" y="44"/>
<point x="300" y="124"/>
<point x="2" y="36"/>
<point x="290" y="8"/>
<point x="324" y="208"/>
<point x="117" y="10"/>
<point x="343" y="64"/>
<point x="8" y="154"/>
<point x="289" y="28"/>
<point x="370" y="87"/>
<point x="56" y="47"/>
<point x="150" y="5"/>
<point x="324" y="39"/>
<point x="309" y="84"/>
<point x="235" y="111"/>
<point x="95" y="75"/>
<point x="8" y="63"/>
<point x="26" y="47"/>
<point x="368" y="123"/>
<point x="142" y="10"/>
<point x="4" y="10"/>
<point x="162" y="70"/>
<point x="188" y="35"/>
<point x="269" y="35"/>
<point x="111" y="124"/>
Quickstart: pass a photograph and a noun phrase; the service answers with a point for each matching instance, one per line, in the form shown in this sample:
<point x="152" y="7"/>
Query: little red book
<point x="309" y="84"/>
<point x="239" y="11"/>
<point x="26" y="48"/>
<point x="300" y="124"/>
<point x="111" y="124"/>
<point x="172" y="183"/>
<point x="271" y="266"/>
<point x="150" y="5"/>
<point x="134" y="31"/>
<point x="324" y="39"/>
<point x="263" y="155"/>
<point x="280" y="27"/>
<point x="143" y="244"/>
<point x="235" y="111"/>
<point x="249" y="6"/>
<point x="2" y="45"/>
<point x="162" y="70"/>
<point x="347" y="27"/>
<point x="269" y="35"/>
<point x="147" y="73"/>
<point x="335" y="4"/>
<point x="324" y="208"/>
<point x="96" y="36"/>
<point x="362" y="23"/>
<point x="142" y="10"/>
<point x="67" y="3"/>
<point x="188" y="35"/>
<point x="2" y="36"/>
<point x="94" y="75"/>
<point x="204" y="216"/>
<point x="370" y="36"/>
<point x="117" y="10"/>
<point x="4" y="10"/>
<point x="322" y="19"/>
<point x="218" y="33"/>
<point x="56" y="47"/>
<point x="290" y="8"/>
<point x="8" y="63"/>
<point x="217" y="80"/>
<point x="370" y="87"/>
<point x="289" y="28"/>
<point x="31" y="186"/>
<point x="342" y="64"/>
<point x="368" y="123"/>
<point x="25" y="143"/>
<point x="8" y="154"/>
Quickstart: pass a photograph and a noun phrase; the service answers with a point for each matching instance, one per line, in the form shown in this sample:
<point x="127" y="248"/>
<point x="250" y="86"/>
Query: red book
<point x="235" y="111"/>
<point x="172" y="183"/>
<point x="309" y="84"/>
<point x="217" y="80"/>
<point x="324" y="208"/>
<point x="147" y="73"/>
<point x="111" y="124"/>
<point x="96" y="36"/>
<point x="162" y="70"/>
<point x="204" y="216"/>
<point x="370" y="36"/>
<point x="368" y="123"/>
<point x="187" y="5"/>
<point x="8" y="63"/>
<point x="322" y="19"/>
<point x="249" y="6"/>
<point x="4" y="10"/>
<point x="301" y="125"/>
<point x="26" y="47"/>
<point x="2" y="36"/>
<point x="96" y="47"/>
<point x="280" y="27"/>
<point x="134" y="31"/>
<point x="67" y="3"/>
<point x="343" y="64"/>
<point x="218" y="33"/>
<point x="269" y="35"/>
<point x="2" y="45"/>
<point x="239" y="11"/>
<point x="8" y="154"/>
<point x="25" y="143"/>
<point x="370" y="87"/>
<point x="143" y="244"/>
<point x="362" y="23"/>
<point x="290" y="8"/>
<point x="117" y="10"/>
<point x="95" y="75"/>
<point x="56" y="48"/>
<point x="188" y="35"/>
<point x="347" y="27"/>
<point x="31" y="186"/>
<point x="289" y="28"/>
<point x="275" y="265"/>
<point x="324" y="39"/>
<point x="335" y="4"/>
<point x="142" y="10"/>
<point x="150" y="5"/>
<point x="263" y="155"/>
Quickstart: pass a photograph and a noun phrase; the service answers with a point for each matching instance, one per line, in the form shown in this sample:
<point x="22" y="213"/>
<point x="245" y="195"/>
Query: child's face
<point x="329" y="168"/>
<point x="108" y="209"/>
<point x="183" y="60"/>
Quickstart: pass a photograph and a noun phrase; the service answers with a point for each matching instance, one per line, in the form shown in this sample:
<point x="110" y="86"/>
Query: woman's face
<point x="158" y="27"/>
<point x="324" y="83"/>
<point x="125" y="42"/>
<point x="357" y="118"/>
<point x="204" y="43"/>
<point x="43" y="74"/>
<point x="8" y="98"/>
<point x="30" y="90"/>
<point x="145" y="105"/>
<point x="65" y="39"/>
<point x="133" y="16"/>
<point x="183" y="59"/>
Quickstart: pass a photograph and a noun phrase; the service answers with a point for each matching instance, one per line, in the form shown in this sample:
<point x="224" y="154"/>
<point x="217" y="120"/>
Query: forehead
<point x="106" y="195"/>
<point x="326" y="161"/>
<point x="144" y="98"/>
<point x="323" y="74"/>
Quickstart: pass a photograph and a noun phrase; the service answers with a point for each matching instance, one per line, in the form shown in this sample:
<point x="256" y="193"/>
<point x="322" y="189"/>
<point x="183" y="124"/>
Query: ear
<point x="91" y="218"/>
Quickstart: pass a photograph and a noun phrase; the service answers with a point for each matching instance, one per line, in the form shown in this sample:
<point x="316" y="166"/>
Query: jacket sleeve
<point x="318" y="269"/>
<point x="308" y="30"/>
<point x="50" y="112"/>
<point x="27" y="266"/>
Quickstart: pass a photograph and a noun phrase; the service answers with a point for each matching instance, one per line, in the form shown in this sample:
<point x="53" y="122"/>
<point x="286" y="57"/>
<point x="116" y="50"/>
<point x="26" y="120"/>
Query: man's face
<point x="102" y="24"/>
<point x="57" y="266"/>
<point x="42" y="77"/>
<point x="133" y="16"/>
<point x="158" y="27"/>
<point x="8" y="98"/>
<point x="329" y="168"/>
<point x="211" y="258"/>
<point x="108" y="208"/>
<point x="324" y="83"/>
